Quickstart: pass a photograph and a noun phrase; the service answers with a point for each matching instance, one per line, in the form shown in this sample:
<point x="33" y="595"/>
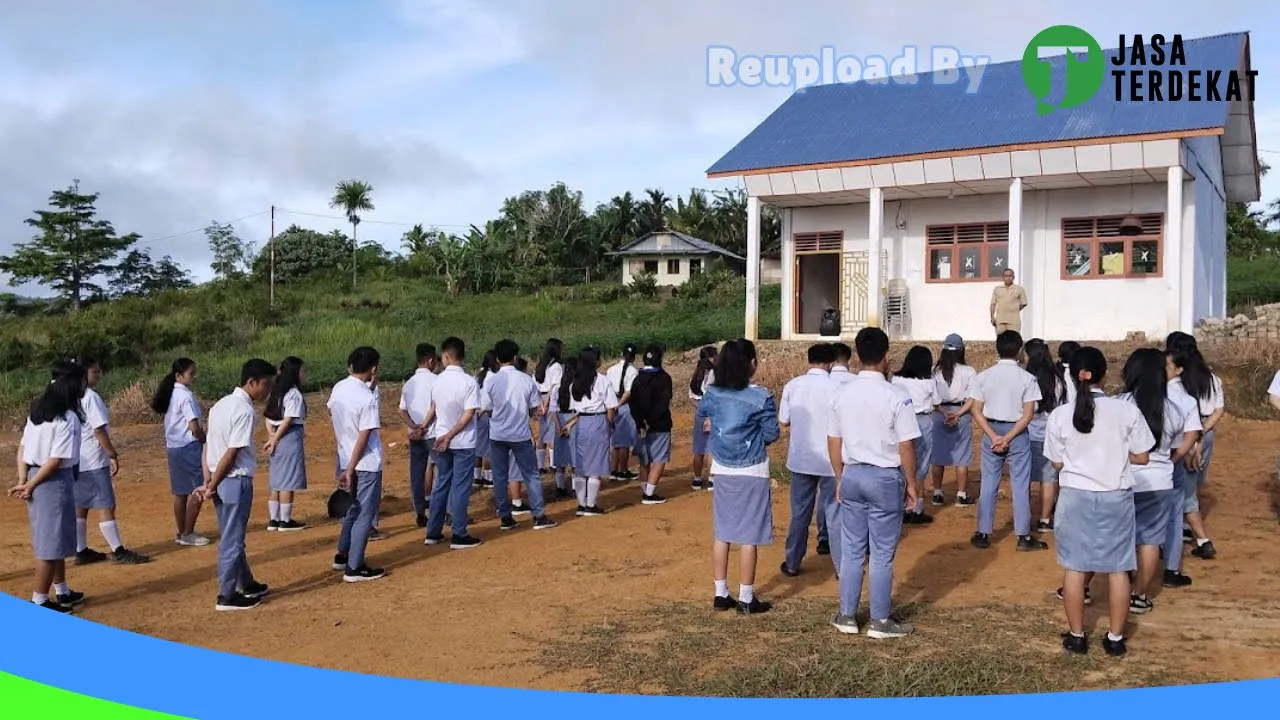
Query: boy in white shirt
<point x="415" y="400"/>
<point x="455" y="400"/>
<point x="355" y="409"/>
<point x="805" y="410"/>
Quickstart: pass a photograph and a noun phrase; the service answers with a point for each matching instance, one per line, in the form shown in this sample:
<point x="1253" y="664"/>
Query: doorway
<point x="817" y="277"/>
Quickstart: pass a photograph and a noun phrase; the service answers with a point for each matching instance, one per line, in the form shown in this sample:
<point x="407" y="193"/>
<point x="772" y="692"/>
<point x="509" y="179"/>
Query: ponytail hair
<point x="164" y="393"/>
<point x="62" y="395"/>
<point x="288" y="378"/>
<point x="566" y="383"/>
<point x="948" y="359"/>
<point x="550" y="356"/>
<point x="706" y="360"/>
<point x="1145" y="381"/>
<point x="1089" y="360"/>
<point x="585" y="377"/>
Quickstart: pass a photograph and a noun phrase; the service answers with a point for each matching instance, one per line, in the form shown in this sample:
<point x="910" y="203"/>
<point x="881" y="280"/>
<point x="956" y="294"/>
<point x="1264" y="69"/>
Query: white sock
<point x="62" y="588"/>
<point x="551" y="457"/>
<point x="1201" y="541"/>
<point x="1113" y="637"/>
<point x="286" y="512"/>
<point x="745" y="593"/>
<point x="488" y="475"/>
<point x="1044" y="520"/>
<point x="650" y="488"/>
<point x="920" y="505"/>
<point x="593" y="491"/>
<point x="82" y="540"/>
<point x="111" y="533"/>
<point x="477" y="473"/>
<point x="580" y="489"/>
<point x="39" y="598"/>
<point x="722" y="588"/>
<point x="273" y="508"/>
<point x="962" y="494"/>
<point x="542" y="459"/>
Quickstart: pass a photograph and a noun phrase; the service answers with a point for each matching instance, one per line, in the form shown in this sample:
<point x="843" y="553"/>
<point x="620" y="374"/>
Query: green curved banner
<point x="23" y="699"/>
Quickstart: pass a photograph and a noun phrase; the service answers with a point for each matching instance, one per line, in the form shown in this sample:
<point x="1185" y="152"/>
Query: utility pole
<point x="272" y="243"/>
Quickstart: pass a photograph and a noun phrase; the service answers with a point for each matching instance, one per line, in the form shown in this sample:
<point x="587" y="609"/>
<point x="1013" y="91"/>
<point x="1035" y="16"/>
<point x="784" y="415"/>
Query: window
<point x="972" y="252"/>
<point x="651" y="267"/>
<point x="673" y="267"/>
<point x="1093" y="248"/>
<point x="695" y="266"/>
<point x="812" y="242"/>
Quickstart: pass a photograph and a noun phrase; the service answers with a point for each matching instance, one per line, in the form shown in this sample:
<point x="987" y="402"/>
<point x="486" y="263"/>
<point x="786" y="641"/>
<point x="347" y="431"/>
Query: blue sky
<point x="184" y="113"/>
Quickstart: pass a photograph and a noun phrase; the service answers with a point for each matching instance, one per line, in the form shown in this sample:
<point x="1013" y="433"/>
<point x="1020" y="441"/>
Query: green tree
<point x="73" y="251"/>
<point x="138" y="275"/>
<point x="1251" y="231"/>
<point x="232" y="256"/>
<point x="300" y="252"/>
<point x="353" y="197"/>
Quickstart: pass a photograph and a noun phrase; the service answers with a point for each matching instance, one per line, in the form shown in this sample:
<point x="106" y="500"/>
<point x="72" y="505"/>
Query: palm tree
<point x="354" y="197"/>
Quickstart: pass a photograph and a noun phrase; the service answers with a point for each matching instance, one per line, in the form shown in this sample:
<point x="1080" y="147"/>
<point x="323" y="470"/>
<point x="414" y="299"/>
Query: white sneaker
<point x="192" y="540"/>
<point x="845" y="624"/>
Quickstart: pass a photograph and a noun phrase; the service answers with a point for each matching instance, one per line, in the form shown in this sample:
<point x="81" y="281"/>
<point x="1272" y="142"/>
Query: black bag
<point x="830" y="325"/>
<point x="339" y="503"/>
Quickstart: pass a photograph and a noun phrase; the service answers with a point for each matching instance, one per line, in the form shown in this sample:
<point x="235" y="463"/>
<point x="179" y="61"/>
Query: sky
<point x="181" y="114"/>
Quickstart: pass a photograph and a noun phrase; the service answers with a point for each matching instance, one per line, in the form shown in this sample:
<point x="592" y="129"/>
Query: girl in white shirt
<point x="561" y="413"/>
<point x="703" y="376"/>
<point x="548" y="372"/>
<point x="1206" y="389"/>
<point x="1053" y="393"/>
<point x="1093" y="443"/>
<point x="286" y="416"/>
<point x="47" y="455"/>
<point x="916" y="377"/>
<point x="593" y="402"/>
<point x="184" y="444"/>
<point x="953" y="423"/>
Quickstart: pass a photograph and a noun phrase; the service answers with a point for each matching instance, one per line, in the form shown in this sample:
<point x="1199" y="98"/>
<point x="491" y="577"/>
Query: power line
<point x="370" y="222"/>
<point x="201" y="229"/>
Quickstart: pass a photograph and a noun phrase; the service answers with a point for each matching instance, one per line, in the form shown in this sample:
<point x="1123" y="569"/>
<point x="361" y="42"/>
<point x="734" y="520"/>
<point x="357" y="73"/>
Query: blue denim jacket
<point x="743" y="424"/>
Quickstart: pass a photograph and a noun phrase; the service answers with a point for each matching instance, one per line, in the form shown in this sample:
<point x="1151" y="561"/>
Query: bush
<point x="644" y="286"/>
<point x="1252" y="282"/>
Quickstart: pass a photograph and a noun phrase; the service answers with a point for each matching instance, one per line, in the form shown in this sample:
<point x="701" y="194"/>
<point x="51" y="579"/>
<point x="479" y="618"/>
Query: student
<point x="871" y="443"/>
<point x="843" y="356"/>
<point x="231" y="462"/>
<point x="184" y="442"/>
<point x="519" y="503"/>
<point x="415" y="398"/>
<point x="483" y="472"/>
<point x="547" y="373"/>
<point x="805" y="411"/>
<point x="621" y="375"/>
<point x="744" y="418"/>
<point x="99" y="464"/>
<point x="841" y="374"/>
<point x="1004" y="401"/>
<point x="560" y="413"/>
<point x="1065" y="352"/>
<point x="1199" y="381"/>
<point x="1176" y="427"/>
<point x="355" y="408"/>
<point x="650" y="403"/>
<point x="1053" y="392"/>
<point x="1092" y="443"/>
<point x="703" y="375"/>
<point x="916" y="378"/>
<point x="953" y="424"/>
<point x="47" y="455"/>
<point x="455" y="398"/>
<point x="286" y="416"/>
<point x="593" y="403"/>
<point x="510" y="398"/>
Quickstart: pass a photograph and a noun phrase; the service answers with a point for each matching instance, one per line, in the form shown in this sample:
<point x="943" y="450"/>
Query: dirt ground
<point x="484" y="615"/>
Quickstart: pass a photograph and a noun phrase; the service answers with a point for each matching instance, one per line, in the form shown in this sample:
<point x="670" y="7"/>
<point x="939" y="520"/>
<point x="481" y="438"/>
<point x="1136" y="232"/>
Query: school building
<point x="902" y="204"/>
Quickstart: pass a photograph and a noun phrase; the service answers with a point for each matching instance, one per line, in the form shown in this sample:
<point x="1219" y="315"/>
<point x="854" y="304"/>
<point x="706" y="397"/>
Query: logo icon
<point x="1085" y="65"/>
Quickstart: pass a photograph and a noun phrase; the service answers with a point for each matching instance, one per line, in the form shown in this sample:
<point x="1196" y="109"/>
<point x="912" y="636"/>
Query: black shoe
<point x="755" y="607"/>
<point x="824" y="547"/>
<point x="1088" y="598"/>
<point x="1175" y="579"/>
<point x="788" y="571"/>
<point x="1114" y="648"/>
<point x="375" y="535"/>
<point x="273" y="525"/>
<point x="255" y="590"/>
<point x="434" y="540"/>
<point x="51" y="605"/>
<point x="420" y="520"/>
<point x="696" y="485"/>
<point x="1139" y="605"/>
<point x="562" y="494"/>
<point x="982" y="541"/>
<point x="124" y="556"/>
<point x="582" y="510"/>
<point x="364" y="573"/>
<point x="464" y="542"/>
<point x="236" y="602"/>
<point x="1206" y="551"/>
<point x="654" y="499"/>
<point x="88" y="556"/>
<point x="1188" y="536"/>
<point x="724" y="603"/>
<point x="71" y="599"/>
<point x="593" y="511"/>
<point x="916" y="518"/>
<point x="519" y="508"/>
<point x="1027" y="543"/>
<point x="1075" y="644"/>
<point x="965" y="500"/>
<point x="938" y="499"/>
<point x="543" y="523"/>
<point x="507" y="523"/>
<point x="290" y="526"/>
<point x="339" y="562"/>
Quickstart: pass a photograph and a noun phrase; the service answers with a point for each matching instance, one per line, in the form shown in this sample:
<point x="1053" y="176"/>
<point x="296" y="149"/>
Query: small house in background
<point x="672" y="257"/>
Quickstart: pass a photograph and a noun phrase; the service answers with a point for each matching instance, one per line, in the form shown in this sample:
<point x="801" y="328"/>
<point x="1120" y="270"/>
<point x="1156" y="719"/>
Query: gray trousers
<point x="806" y="491"/>
<point x="232" y="504"/>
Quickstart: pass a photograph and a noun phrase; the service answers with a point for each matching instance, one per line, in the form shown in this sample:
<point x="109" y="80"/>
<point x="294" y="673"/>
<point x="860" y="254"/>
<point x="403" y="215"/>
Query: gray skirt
<point x="924" y="445"/>
<point x="546" y="429"/>
<point x="482" y="437"/>
<point x="185" y="474"/>
<point x="591" y="446"/>
<point x="700" y="436"/>
<point x="624" y="428"/>
<point x="654" y="448"/>
<point x="288" y="471"/>
<point x="1152" y="511"/>
<point x="1041" y="469"/>
<point x="52" y="514"/>
<point x="1095" y="531"/>
<point x="742" y="510"/>
<point x="562" y="449"/>
<point x="93" y="489"/>
<point x="952" y="446"/>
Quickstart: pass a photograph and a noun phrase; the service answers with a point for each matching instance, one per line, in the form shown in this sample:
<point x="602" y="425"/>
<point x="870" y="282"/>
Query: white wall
<point x="1205" y="229"/>
<point x="633" y="265"/>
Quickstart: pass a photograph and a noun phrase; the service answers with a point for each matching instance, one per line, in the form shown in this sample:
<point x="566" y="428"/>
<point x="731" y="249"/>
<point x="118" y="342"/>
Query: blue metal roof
<point x="864" y="121"/>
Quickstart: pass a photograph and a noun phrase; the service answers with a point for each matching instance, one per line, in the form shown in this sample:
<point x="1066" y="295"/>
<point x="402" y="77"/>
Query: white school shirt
<point x="709" y="378"/>
<point x="552" y="376"/>
<point x="1098" y="461"/>
<point x="1040" y="420"/>
<point x="1275" y="385"/>
<point x="957" y="392"/>
<point x="510" y="396"/>
<point x="231" y="422"/>
<point x="454" y="393"/>
<point x="354" y="408"/>
<point x="618" y="380"/>
<point x="1070" y="383"/>
<point x="183" y="408"/>
<point x="92" y="456"/>
<point x="415" y="397"/>
<point x="841" y="374"/>
<point x="293" y="407"/>
<point x="1003" y="389"/>
<point x="57" y="438"/>
<point x="1157" y="474"/>
<point x="923" y="393"/>
<point x="601" y="398"/>
<point x="871" y="416"/>
<point x="806" y="407"/>
<point x="1209" y="405"/>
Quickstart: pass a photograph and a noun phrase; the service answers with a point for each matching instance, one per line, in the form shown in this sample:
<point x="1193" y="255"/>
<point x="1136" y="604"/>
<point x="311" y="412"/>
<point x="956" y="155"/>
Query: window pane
<point x="1146" y="260"/>
<point x="1078" y="260"/>
<point x="1111" y="258"/>
<point x="970" y="262"/>
<point x="673" y="267"/>
<point x="695" y="267"/>
<point x="997" y="260"/>
<point x="940" y="265"/>
<point x="651" y="267"/>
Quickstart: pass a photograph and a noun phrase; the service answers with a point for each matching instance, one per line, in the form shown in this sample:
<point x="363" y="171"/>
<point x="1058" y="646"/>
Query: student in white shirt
<point x="355" y="406"/>
<point x="184" y="443"/>
<point x="805" y="411"/>
<point x="47" y="455"/>
<point x="1094" y="443"/>
<point x="483" y="476"/>
<point x="455" y="400"/>
<point x="1053" y="392"/>
<point x="286" y="415"/>
<point x="593" y="404"/>
<point x="843" y="356"/>
<point x="953" y="424"/>
<point x="1205" y="388"/>
<point x="230" y="461"/>
<point x="547" y="373"/>
<point x="1004" y="401"/>
<point x="916" y="378"/>
<point x="703" y="375"/>
<point x="99" y="464"/>
<point x="510" y="398"/>
<point x="621" y="376"/>
<point x="871" y="444"/>
<point x="559" y="413"/>
<point x="415" y="399"/>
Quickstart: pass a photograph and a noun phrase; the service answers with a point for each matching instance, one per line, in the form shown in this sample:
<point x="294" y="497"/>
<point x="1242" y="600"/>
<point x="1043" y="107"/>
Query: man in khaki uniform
<point x="1007" y="302"/>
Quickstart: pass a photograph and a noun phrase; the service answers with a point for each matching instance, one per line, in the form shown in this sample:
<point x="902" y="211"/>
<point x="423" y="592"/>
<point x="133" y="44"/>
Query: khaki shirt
<point x="1009" y="302"/>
